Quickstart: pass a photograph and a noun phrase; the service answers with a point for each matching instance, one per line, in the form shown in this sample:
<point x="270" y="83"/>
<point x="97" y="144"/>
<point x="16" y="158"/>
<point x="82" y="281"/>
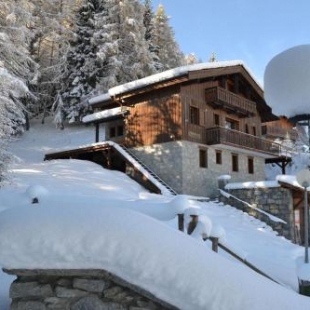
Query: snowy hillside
<point x="84" y="202"/>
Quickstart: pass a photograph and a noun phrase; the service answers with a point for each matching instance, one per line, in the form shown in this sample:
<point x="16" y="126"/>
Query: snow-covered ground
<point x="80" y="202"/>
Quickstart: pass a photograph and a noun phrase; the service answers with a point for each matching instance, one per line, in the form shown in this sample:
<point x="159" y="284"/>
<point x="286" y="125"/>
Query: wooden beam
<point x="97" y="133"/>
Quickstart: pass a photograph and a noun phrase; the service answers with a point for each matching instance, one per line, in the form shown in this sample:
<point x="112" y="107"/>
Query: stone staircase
<point x="144" y="169"/>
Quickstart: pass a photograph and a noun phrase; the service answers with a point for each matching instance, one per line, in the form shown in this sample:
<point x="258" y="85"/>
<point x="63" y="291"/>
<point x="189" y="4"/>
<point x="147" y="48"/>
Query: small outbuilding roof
<point x="104" y="116"/>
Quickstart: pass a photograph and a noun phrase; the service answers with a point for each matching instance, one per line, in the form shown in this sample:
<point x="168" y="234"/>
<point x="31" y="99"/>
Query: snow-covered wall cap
<point x="100" y="98"/>
<point x="172" y="73"/>
<point x="102" y="115"/>
<point x="289" y="179"/>
<point x="224" y="177"/>
<point x="258" y="184"/>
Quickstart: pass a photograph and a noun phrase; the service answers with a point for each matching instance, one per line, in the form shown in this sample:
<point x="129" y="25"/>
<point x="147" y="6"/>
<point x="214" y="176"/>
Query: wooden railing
<point x="279" y="132"/>
<point x="220" y="135"/>
<point x="216" y="244"/>
<point x="219" y="97"/>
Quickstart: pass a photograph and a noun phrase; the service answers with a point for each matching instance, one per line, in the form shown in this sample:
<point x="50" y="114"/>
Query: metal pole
<point x="306" y="225"/>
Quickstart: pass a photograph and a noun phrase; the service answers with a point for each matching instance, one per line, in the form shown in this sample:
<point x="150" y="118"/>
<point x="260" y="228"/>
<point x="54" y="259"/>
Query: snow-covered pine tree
<point x="136" y="58"/>
<point x="82" y="69"/>
<point x="107" y="39"/>
<point x="148" y="22"/>
<point x="191" y="59"/>
<point x="51" y="28"/>
<point x="123" y="52"/>
<point x="168" y="51"/>
<point x="18" y="70"/>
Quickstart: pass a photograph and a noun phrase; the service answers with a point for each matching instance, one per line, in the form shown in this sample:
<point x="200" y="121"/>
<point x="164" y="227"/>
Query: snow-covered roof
<point x="100" y="98"/>
<point x="167" y="75"/>
<point x="103" y="115"/>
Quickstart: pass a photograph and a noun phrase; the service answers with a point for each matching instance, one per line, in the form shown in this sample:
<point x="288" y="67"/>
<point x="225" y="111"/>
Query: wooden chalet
<point x="192" y="124"/>
<point x="282" y="129"/>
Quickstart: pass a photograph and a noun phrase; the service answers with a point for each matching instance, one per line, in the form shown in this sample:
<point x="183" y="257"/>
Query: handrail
<point x="279" y="132"/>
<point x="151" y="175"/>
<point x="220" y="94"/>
<point x="215" y="244"/>
<point x="244" y="261"/>
<point x="221" y="135"/>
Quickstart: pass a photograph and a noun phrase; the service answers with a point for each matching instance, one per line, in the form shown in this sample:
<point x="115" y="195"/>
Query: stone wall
<point x="277" y="201"/>
<point x="77" y="290"/>
<point x="177" y="163"/>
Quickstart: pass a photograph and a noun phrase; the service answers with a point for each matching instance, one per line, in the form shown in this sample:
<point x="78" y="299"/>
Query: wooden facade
<point x="223" y="106"/>
<point x="282" y="129"/>
<point x="193" y="124"/>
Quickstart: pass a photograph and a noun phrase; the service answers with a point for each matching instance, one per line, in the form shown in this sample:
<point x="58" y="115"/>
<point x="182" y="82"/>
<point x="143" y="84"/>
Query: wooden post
<point x="97" y="133"/>
<point x="215" y="244"/>
<point x="181" y="222"/>
<point x="109" y="164"/>
<point x="193" y="223"/>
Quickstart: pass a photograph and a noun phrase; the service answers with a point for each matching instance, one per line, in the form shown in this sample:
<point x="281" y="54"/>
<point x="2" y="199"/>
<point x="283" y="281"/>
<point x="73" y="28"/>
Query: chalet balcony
<point x="220" y="98"/>
<point x="278" y="132"/>
<point x="220" y="135"/>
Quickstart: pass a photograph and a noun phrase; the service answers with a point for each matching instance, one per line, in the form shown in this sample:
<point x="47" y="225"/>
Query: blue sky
<point x="250" y="30"/>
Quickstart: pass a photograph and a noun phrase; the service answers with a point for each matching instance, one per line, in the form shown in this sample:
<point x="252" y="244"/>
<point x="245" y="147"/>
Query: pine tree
<point x="136" y="59"/>
<point x="18" y="70"/>
<point x="148" y="22"/>
<point x="51" y="27"/>
<point x="168" y="52"/>
<point x="123" y="52"/>
<point x="107" y="40"/>
<point x="191" y="59"/>
<point x="82" y="70"/>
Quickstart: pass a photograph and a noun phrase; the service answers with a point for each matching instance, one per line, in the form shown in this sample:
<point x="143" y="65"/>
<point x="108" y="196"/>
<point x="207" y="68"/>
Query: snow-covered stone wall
<point x="76" y="290"/>
<point x="277" y="201"/>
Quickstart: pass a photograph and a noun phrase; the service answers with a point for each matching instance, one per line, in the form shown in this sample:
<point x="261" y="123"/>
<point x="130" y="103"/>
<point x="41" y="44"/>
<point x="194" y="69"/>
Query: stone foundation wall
<point x="277" y="201"/>
<point x="177" y="163"/>
<point x="77" y="290"/>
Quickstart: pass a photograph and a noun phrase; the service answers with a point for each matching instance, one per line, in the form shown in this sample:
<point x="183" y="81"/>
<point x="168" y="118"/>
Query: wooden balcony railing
<point x="220" y="135"/>
<point x="279" y="132"/>
<point x="220" y="98"/>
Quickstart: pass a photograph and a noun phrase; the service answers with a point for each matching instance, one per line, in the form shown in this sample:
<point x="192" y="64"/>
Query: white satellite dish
<point x="287" y="82"/>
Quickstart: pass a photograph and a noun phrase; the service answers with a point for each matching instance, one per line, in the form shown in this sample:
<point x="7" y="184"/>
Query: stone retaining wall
<point x="78" y="290"/>
<point x="277" y="201"/>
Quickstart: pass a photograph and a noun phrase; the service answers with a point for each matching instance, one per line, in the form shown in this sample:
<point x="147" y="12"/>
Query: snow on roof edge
<point x="102" y="115"/>
<point x="97" y="99"/>
<point x="162" y="76"/>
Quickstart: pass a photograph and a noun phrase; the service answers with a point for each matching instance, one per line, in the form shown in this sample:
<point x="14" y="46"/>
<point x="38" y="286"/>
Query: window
<point x="203" y="158"/>
<point x="218" y="157"/>
<point x="216" y="120"/>
<point x="120" y="130"/>
<point x="231" y="124"/>
<point x="254" y="131"/>
<point x="194" y="115"/>
<point x="250" y="165"/>
<point x="116" y="131"/>
<point x="246" y="128"/>
<point x="112" y="132"/>
<point x="234" y="163"/>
